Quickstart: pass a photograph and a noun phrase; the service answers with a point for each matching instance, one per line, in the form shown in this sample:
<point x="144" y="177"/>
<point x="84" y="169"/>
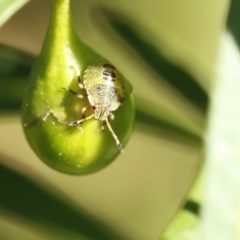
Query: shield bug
<point x="105" y="92"/>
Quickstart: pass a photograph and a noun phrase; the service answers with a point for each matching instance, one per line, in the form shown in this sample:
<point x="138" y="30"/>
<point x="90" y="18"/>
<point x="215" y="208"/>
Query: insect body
<point x="105" y="92"/>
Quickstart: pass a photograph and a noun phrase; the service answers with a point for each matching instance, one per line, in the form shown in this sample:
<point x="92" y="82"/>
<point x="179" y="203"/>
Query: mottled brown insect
<point x="105" y="92"/>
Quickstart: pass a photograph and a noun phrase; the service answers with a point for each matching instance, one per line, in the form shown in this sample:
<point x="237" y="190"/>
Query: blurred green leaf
<point x="15" y="67"/>
<point x="221" y="193"/>
<point x="13" y="59"/>
<point x="166" y="129"/>
<point x="192" y="206"/>
<point x="8" y="8"/>
<point x="11" y="231"/>
<point x="185" y="225"/>
<point x="174" y="75"/>
<point x="220" y="215"/>
<point x="22" y="197"/>
<point x="234" y="20"/>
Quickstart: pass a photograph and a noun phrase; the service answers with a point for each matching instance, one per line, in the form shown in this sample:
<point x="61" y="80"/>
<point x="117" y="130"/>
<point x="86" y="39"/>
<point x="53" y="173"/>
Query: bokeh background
<point x="138" y="194"/>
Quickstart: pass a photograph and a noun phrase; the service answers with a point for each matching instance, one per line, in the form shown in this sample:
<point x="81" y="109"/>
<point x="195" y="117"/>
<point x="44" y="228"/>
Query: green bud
<point x="48" y="108"/>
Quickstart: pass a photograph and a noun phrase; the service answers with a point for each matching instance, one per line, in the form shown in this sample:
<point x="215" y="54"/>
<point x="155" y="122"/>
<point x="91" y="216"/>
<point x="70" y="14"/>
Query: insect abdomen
<point x="104" y="95"/>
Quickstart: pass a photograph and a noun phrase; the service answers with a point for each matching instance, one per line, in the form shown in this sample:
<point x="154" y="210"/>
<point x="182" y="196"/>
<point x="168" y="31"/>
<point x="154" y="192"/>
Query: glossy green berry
<point x="52" y="117"/>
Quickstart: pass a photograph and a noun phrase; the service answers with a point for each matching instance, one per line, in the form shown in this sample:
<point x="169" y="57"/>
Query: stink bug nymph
<point x="105" y="92"/>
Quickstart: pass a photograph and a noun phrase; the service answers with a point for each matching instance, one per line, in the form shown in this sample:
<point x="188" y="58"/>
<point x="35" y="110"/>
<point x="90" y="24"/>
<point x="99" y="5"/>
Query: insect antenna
<point x="114" y="136"/>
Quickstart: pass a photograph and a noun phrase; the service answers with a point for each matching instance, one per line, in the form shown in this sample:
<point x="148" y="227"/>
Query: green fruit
<point x="48" y="109"/>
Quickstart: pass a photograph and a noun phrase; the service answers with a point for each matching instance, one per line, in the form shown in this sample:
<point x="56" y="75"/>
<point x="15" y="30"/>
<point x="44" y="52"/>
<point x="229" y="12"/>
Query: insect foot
<point x="85" y="97"/>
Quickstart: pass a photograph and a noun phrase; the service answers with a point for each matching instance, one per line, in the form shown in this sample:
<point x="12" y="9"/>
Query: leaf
<point x="185" y="225"/>
<point x="22" y="197"/>
<point x="15" y="67"/>
<point x="167" y="129"/>
<point x="12" y="231"/>
<point x="8" y="8"/>
<point x="233" y="20"/>
<point x="171" y="73"/>
<point x="221" y="197"/>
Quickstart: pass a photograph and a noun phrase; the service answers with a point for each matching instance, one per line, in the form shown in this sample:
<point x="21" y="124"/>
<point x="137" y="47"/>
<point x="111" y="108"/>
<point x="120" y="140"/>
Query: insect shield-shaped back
<point x="104" y="85"/>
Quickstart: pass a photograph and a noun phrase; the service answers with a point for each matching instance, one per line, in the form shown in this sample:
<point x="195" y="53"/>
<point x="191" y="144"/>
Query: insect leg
<point x="114" y="136"/>
<point x="75" y="93"/>
<point x="104" y="122"/>
<point x="102" y="126"/>
<point x="84" y="109"/>
<point x="112" y="116"/>
<point x="42" y="118"/>
<point x="37" y="120"/>
<point x="75" y="123"/>
<point x="80" y="84"/>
